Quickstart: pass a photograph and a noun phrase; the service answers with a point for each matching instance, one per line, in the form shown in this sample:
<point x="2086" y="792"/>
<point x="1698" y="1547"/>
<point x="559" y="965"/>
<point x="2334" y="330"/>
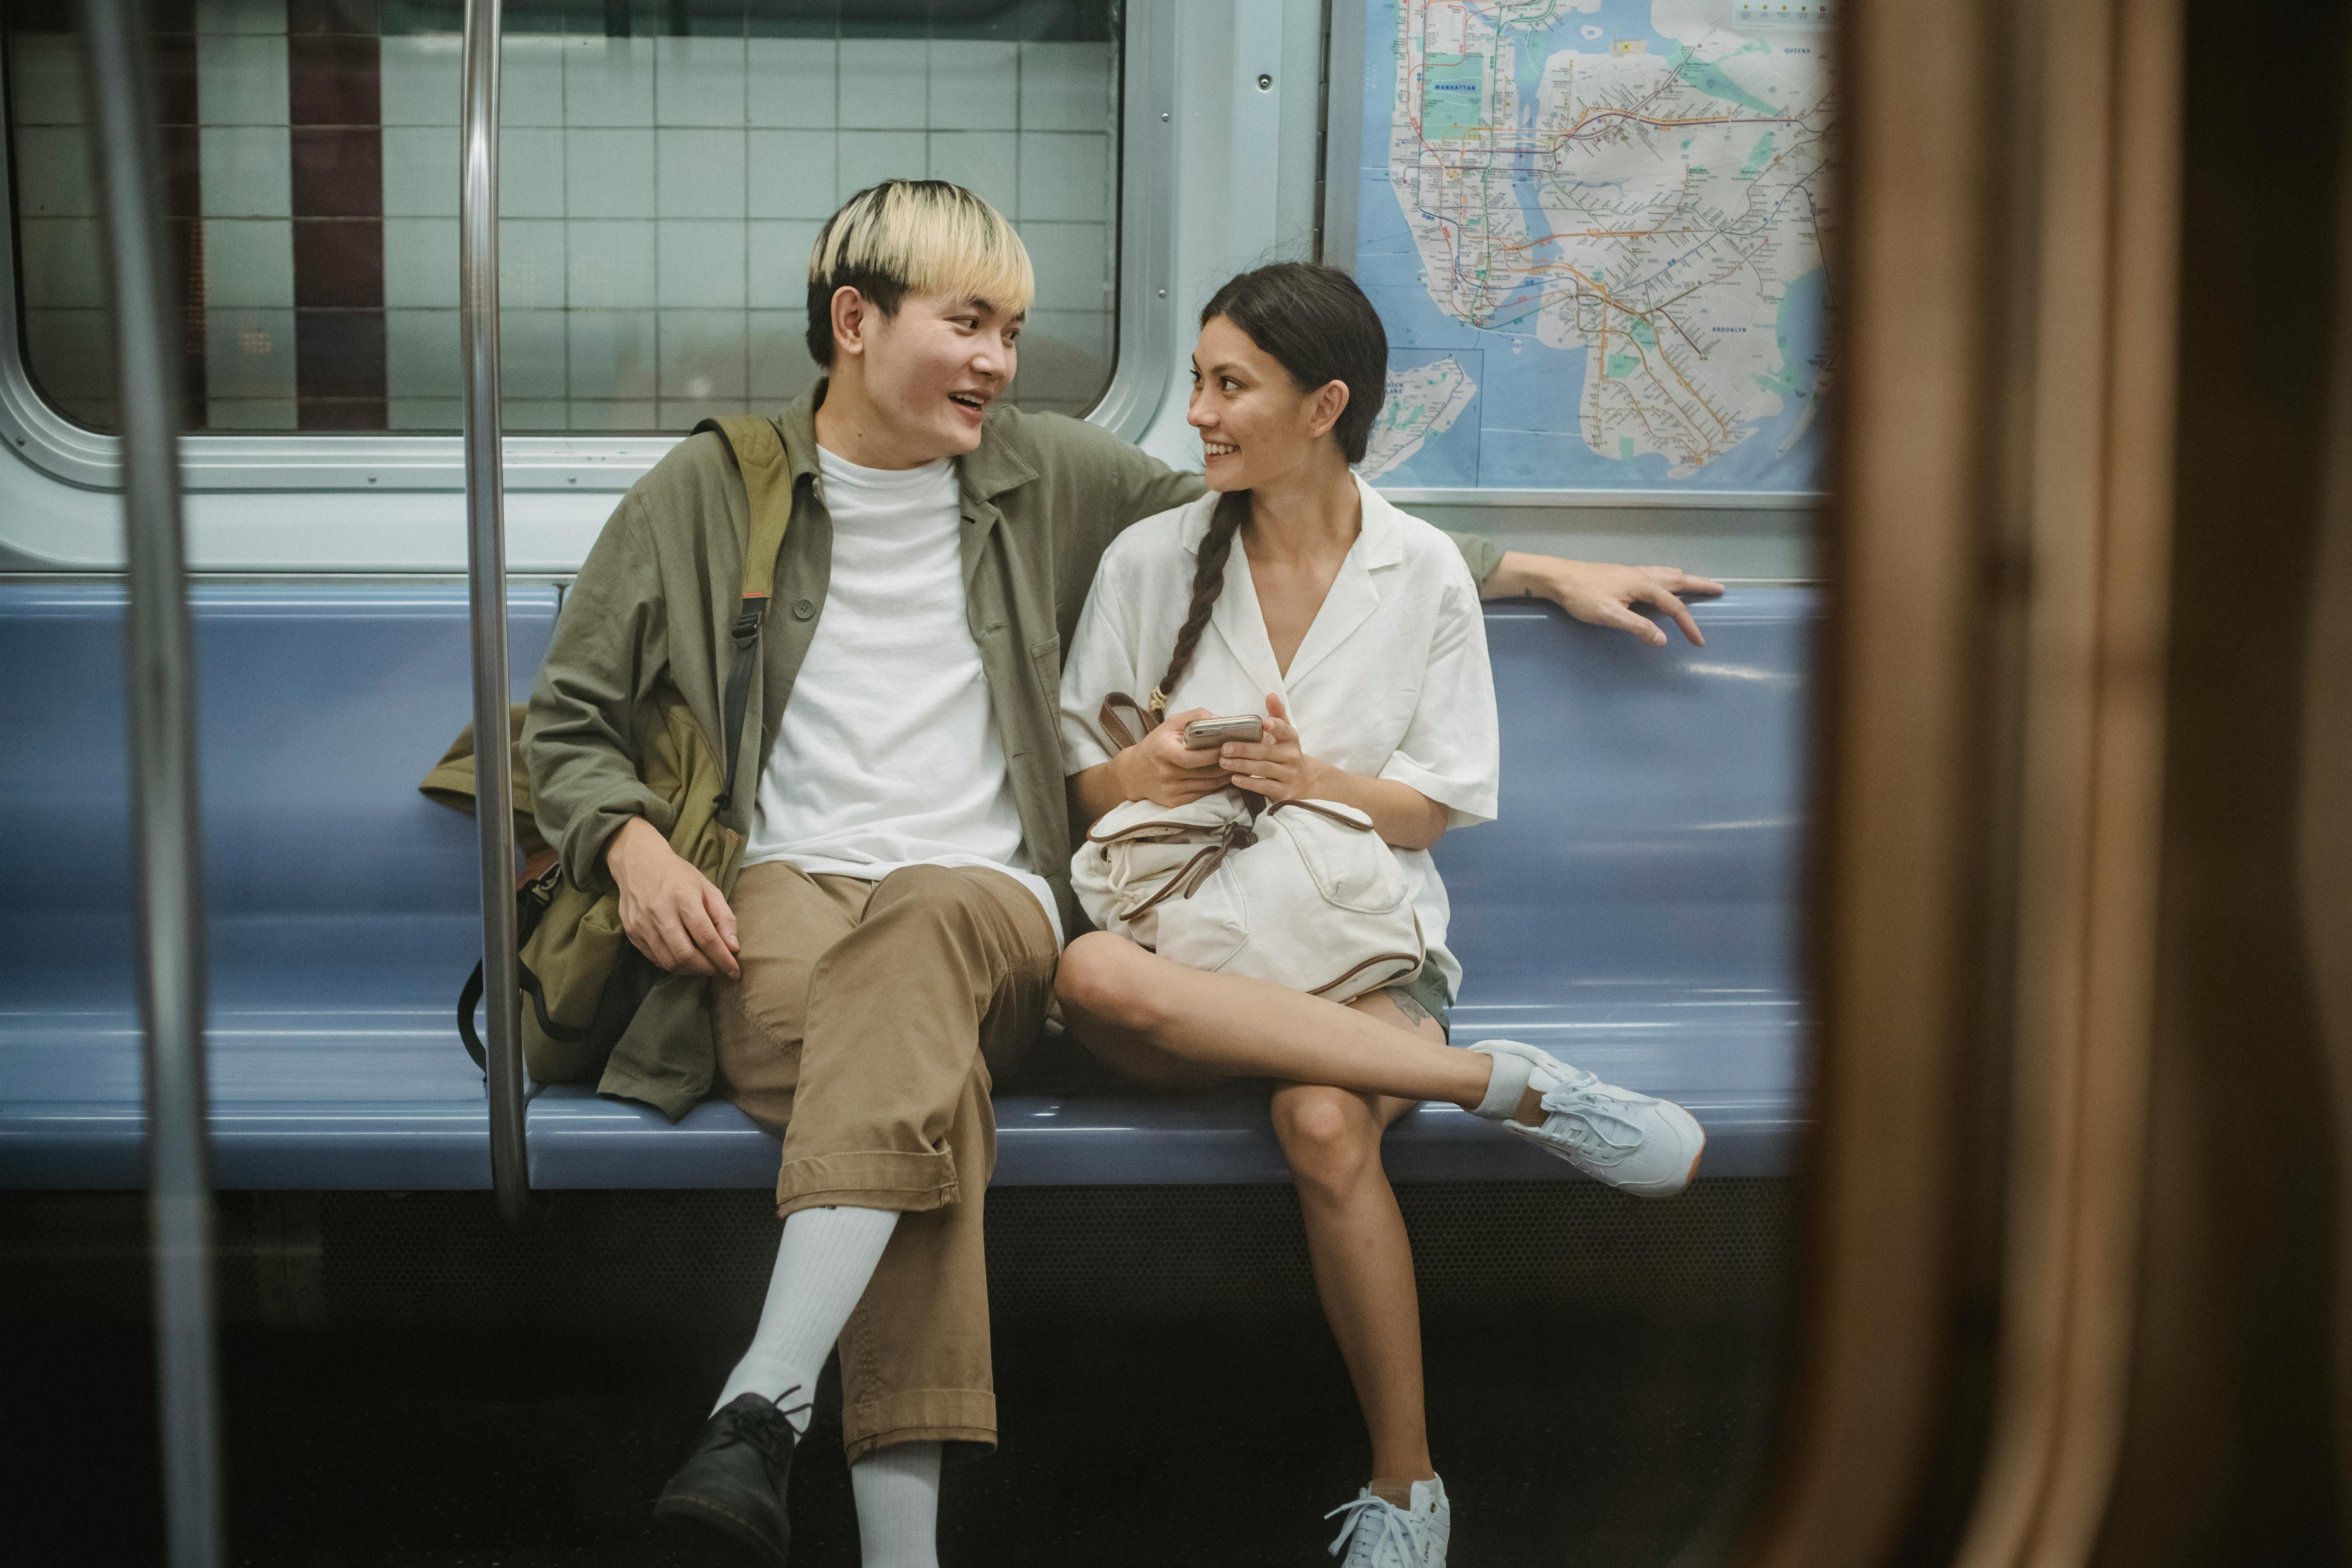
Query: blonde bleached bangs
<point x="914" y="237"/>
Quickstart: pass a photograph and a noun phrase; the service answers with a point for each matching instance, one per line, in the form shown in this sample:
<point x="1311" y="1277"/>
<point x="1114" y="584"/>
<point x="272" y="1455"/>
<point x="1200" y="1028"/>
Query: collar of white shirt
<point x="1355" y="593"/>
<point x="1381" y="543"/>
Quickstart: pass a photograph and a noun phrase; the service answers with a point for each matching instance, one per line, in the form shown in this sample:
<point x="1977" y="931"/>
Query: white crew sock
<point x="823" y="1263"/>
<point x="898" y="1493"/>
<point x="1507" y="1096"/>
<point x="1539" y="1083"/>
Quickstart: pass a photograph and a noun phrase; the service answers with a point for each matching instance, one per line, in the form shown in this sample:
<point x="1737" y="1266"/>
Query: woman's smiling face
<point x="1255" y="425"/>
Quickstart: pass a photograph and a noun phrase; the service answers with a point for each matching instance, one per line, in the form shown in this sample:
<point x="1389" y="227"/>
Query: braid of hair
<point x="1233" y="510"/>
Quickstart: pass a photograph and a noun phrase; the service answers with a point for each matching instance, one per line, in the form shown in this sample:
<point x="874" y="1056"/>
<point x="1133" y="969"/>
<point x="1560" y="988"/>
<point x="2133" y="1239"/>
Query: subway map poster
<point x="1599" y="232"/>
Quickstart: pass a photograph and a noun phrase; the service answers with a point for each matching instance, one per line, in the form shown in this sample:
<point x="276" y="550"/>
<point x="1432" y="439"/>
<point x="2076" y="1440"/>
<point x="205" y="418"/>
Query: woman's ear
<point x="1323" y="410"/>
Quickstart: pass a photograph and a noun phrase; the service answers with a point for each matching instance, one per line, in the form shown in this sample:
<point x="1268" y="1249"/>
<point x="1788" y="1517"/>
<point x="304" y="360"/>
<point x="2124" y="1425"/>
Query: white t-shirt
<point x="1391" y="679"/>
<point x="887" y="755"/>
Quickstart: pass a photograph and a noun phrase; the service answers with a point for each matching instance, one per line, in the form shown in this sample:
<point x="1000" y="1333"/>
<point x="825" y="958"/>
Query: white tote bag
<point x="1301" y="892"/>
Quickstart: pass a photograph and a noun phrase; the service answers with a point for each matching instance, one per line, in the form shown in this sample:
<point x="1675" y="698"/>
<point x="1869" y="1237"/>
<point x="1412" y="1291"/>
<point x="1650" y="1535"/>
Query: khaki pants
<point x="868" y="1027"/>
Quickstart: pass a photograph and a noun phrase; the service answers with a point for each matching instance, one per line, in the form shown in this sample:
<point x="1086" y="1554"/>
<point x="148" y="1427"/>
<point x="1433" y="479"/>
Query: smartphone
<point x="1203" y="733"/>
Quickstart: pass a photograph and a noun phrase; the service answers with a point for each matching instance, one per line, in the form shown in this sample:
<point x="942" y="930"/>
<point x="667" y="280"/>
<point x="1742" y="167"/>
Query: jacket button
<point x="804" y="609"/>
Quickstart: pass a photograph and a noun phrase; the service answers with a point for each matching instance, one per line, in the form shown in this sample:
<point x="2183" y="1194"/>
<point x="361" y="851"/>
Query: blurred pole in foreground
<point x="159" y="665"/>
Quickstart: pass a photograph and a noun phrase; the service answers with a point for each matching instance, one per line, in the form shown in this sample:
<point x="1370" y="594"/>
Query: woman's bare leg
<point x="1362" y="1259"/>
<point x="1170" y="1025"/>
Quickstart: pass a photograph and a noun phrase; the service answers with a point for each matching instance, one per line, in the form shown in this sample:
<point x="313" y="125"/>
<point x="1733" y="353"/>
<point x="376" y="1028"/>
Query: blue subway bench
<point x="1634" y="909"/>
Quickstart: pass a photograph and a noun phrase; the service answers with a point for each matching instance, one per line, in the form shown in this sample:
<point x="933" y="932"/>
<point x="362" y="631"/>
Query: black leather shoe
<point x="730" y="1491"/>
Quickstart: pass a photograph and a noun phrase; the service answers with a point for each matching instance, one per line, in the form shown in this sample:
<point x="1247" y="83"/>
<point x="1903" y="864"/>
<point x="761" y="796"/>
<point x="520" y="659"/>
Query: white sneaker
<point x="1379" y="1534"/>
<point x="1647" y="1146"/>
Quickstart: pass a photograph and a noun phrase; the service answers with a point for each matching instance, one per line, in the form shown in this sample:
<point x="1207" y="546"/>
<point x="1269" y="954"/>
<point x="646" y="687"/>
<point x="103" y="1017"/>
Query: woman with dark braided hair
<point x="1293" y="591"/>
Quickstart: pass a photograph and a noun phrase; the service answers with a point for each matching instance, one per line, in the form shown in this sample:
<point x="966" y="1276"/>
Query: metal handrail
<point x="159" y="663"/>
<point x="486" y="573"/>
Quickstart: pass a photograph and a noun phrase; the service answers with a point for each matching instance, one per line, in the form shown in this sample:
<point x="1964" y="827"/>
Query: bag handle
<point x="1188" y="878"/>
<point x="1147" y="719"/>
<point x="758" y="447"/>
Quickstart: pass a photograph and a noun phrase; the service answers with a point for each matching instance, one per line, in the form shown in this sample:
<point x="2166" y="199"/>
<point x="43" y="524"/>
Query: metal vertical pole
<point x="485" y="549"/>
<point x="158" y="667"/>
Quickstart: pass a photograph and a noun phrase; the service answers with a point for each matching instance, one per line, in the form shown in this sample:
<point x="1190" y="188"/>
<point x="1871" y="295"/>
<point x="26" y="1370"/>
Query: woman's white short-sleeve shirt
<point x="1391" y="679"/>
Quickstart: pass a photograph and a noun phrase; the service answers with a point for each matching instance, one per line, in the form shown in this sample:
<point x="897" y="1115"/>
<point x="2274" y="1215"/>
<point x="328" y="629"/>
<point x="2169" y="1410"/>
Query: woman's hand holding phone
<point x="1273" y="765"/>
<point x="1277" y="767"/>
<point x="1163" y="770"/>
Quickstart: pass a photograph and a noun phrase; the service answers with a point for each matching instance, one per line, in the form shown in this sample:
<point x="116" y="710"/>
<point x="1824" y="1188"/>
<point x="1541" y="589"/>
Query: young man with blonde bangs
<point x="885" y="950"/>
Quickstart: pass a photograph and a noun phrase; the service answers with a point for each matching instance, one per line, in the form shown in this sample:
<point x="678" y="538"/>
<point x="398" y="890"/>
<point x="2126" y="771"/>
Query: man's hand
<point x="671" y="912"/>
<point x="1603" y="595"/>
<point x="1161" y="769"/>
<point x="1273" y="765"/>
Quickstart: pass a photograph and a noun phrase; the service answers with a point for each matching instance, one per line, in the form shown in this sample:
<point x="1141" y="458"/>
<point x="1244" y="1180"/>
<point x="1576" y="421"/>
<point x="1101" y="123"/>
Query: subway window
<point x="664" y="169"/>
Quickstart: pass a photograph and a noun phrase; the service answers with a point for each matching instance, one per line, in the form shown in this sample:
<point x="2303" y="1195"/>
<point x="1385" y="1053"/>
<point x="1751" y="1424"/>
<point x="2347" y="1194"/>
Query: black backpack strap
<point x="746" y="633"/>
<point x="531" y="904"/>
<point x="470" y="997"/>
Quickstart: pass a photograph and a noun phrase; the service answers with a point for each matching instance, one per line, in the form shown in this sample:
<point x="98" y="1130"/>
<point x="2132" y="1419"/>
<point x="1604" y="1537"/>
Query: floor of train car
<point x="1572" y="1433"/>
<point x="1566" y="1442"/>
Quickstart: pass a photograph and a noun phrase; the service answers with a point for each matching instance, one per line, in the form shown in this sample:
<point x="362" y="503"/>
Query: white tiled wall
<point x="246" y="170"/>
<point x="241" y="15"/>
<point x="44" y="79"/>
<point x="244" y="155"/>
<point x="660" y="199"/>
<point x="664" y="194"/>
<point x="61" y="266"/>
<point x="65" y="330"/>
<point x="241" y="79"/>
<point x="248" y="355"/>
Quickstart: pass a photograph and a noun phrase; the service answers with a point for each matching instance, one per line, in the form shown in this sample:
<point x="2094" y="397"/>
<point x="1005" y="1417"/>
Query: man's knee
<point x="934" y="894"/>
<point x="920" y="917"/>
<point x="1109" y="978"/>
<point x="1328" y="1137"/>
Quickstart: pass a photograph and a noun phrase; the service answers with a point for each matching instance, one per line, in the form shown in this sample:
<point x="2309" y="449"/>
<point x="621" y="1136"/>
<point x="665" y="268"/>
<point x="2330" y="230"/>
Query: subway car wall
<point x="663" y="174"/>
<point x="1971" y="874"/>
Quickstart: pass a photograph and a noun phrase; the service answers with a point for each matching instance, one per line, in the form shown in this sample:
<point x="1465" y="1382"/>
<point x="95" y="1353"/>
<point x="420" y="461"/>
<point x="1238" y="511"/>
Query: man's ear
<point x="851" y="314"/>
<point x="1330" y="401"/>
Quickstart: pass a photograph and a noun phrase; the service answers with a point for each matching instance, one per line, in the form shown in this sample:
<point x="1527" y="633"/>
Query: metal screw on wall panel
<point x="1163" y="293"/>
<point x="1163" y="118"/>
<point x="1264" y="84"/>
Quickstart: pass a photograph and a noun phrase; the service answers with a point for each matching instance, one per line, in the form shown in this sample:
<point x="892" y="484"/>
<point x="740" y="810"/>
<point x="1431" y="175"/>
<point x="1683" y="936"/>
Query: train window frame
<point x="1143" y="246"/>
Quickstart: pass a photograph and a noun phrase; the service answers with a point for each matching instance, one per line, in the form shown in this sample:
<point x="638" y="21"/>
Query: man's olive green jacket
<point x="1042" y="495"/>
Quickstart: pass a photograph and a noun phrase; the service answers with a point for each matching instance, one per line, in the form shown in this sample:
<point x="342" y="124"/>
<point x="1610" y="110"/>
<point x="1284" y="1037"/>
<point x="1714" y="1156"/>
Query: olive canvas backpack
<point x="582" y="980"/>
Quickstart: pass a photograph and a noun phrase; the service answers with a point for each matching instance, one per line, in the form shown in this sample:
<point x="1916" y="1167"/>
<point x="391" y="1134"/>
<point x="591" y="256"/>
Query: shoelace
<point x="760" y="1425"/>
<point x="1377" y="1524"/>
<point x="1593" y="1126"/>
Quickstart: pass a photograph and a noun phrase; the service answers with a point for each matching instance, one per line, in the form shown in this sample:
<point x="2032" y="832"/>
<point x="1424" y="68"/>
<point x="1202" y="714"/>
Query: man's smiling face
<point x="933" y="367"/>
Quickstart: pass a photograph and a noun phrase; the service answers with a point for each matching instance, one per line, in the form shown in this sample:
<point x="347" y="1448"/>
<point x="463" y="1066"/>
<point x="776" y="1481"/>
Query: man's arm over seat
<point x="1596" y="593"/>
